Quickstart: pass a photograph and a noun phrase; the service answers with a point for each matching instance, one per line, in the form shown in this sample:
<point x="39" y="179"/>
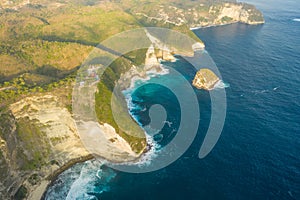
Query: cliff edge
<point x="197" y="14"/>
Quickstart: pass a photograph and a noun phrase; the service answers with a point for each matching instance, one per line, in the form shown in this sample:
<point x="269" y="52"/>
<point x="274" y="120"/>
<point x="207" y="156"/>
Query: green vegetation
<point x="106" y="102"/>
<point x="56" y="36"/>
<point x="33" y="84"/>
<point x="21" y="193"/>
<point x="256" y="17"/>
<point x="32" y="140"/>
<point x="226" y="19"/>
<point x="42" y="45"/>
<point x="33" y="179"/>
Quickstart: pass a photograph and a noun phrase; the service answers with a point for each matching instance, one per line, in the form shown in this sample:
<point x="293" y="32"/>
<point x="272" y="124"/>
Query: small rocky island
<point x="205" y="79"/>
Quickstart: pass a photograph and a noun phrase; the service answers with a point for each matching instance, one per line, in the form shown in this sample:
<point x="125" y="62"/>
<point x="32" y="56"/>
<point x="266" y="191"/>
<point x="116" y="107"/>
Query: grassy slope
<point x="61" y="37"/>
<point x="106" y="101"/>
<point x="46" y="43"/>
<point x="41" y="44"/>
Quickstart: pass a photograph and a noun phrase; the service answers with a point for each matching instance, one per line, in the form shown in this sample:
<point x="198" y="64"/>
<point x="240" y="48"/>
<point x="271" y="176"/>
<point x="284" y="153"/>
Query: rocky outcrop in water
<point x="205" y="79"/>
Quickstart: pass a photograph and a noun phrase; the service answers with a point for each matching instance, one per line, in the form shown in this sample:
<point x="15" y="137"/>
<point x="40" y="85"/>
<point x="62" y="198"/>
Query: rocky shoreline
<point x="44" y="185"/>
<point x="45" y="140"/>
<point x="153" y="65"/>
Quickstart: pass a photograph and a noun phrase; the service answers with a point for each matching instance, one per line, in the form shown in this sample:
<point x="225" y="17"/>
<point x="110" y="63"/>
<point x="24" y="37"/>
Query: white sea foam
<point x="62" y="184"/>
<point x="150" y="131"/>
<point x="221" y="85"/>
<point x="153" y="73"/>
<point x="195" y="28"/>
<point x="256" y="92"/>
<point x="147" y="157"/>
<point x="130" y="105"/>
<point x="296" y="20"/>
<point x="137" y="80"/>
<point x="151" y="154"/>
<point x="90" y="173"/>
<point x="169" y="123"/>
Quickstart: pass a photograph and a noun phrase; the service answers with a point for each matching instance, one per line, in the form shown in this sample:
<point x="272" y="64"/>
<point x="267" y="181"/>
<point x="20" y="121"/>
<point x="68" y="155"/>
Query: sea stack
<point x="205" y="79"/>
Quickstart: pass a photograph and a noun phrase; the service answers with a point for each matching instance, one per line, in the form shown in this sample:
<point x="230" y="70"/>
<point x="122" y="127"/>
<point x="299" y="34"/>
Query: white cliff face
<point x="104" y="142"/>
<point x="57" y="124"/>
<point x="60" y="129"/>
<point x="39" y="137"/>
<point x="230" y="13"/>
<point x="198" y="46"/>
<point x="151" y="59"/>
<point x="165" y="51"/>
<point x="202" y="15"/>
<point x="152" y="64"/>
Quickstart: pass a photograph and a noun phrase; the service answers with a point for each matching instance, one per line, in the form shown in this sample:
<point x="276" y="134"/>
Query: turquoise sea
<point x="258" y="153"/>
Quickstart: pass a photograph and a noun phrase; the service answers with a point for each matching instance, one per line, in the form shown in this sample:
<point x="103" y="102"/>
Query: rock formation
<point x="204" y="14"/>
<point x="38" y="137"/>
<point x="205" y="79"/>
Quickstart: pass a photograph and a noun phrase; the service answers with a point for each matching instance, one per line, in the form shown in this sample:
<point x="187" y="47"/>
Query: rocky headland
<point x="205" y="79"/>
<point x="201" y="14"/>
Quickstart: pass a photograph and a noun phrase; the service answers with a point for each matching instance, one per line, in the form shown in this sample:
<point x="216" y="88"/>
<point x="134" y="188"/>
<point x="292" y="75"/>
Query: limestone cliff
<point x="205" y="79"/>
<point x="234" y="12"/>
<point x="37" y="137"/>
<point x="196" y="14"/>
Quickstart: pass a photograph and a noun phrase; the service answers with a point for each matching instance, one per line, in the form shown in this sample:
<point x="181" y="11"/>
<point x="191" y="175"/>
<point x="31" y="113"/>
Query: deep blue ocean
<point x="258" y="153"/>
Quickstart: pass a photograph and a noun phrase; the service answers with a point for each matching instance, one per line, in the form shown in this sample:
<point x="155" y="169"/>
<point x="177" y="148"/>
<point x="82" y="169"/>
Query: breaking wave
<point x="78" y="182"/>
<point x="221" y="85"/>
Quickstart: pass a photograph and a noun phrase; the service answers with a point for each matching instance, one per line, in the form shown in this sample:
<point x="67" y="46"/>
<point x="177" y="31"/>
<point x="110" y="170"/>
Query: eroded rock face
<point x="104" y="142"/>
<point x="55" y="122"/>
<point x="37" y="137"/>
<point x="205" y="79"/>
<point x="240" y="12"/>
<point x="203" y="14"/>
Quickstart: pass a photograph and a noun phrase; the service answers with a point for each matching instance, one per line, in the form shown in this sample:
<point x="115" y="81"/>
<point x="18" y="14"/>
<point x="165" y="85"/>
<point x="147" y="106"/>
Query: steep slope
<point x="196" y="13"/>
<point x="38" y="136"/>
